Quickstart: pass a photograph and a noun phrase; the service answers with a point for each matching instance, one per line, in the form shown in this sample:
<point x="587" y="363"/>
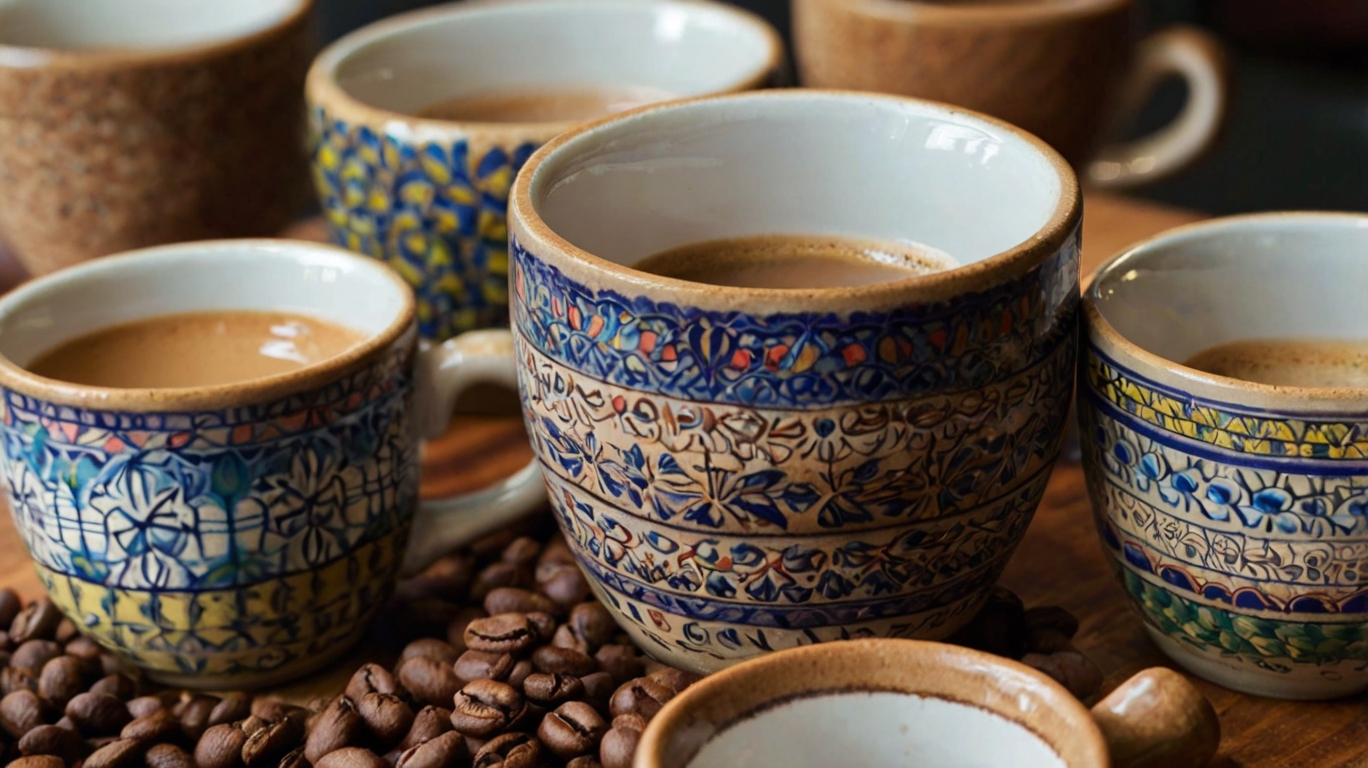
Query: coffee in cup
<point x="1288" y="362"/>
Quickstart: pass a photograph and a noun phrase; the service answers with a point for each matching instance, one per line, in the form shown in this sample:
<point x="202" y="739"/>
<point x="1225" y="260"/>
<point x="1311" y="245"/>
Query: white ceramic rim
<point x="264" y="389"/>
<point x="981" y="13"/>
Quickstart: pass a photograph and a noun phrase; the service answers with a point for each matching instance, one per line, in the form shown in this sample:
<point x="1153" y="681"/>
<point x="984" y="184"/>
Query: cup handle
<point x="445" y="371"/>
<point x="1157" y="719"/>
<point x="1199" y="59"/>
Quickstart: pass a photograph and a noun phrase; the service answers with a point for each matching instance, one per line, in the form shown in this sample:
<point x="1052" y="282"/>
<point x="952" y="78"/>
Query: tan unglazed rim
<point x="979" y="275"/>
<point x="255" y="391"/>
<point x="914" y="667"/>
<point x="322" y="89"/>
<point x="981" y="12"/>
<point x="1213" y="386"/>
<point x="26" y="57"/>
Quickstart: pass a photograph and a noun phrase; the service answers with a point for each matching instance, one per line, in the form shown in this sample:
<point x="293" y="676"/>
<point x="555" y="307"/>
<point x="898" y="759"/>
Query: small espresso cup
<point x="1068" y="71"/>
<point x="1235" y="510"/>
<point x="740" y="470"/>
<point x="405" y="176"/>
<point x="904" y="702"/>
<point x="131" y="123"/>
<point x="239" y="534"/>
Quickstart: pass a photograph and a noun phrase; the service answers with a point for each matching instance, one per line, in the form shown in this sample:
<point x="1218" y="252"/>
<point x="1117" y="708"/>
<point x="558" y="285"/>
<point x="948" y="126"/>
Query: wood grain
<point x="1060" y="562"/>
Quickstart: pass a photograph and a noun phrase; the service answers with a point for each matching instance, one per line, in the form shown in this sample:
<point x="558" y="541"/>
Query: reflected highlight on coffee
<point x="796" y="261"/>
<point x="576" y="104"/>
<point x="196" y="349"/>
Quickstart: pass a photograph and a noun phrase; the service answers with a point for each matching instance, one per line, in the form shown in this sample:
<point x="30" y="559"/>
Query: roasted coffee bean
<point x="193" y="712"/>
<point x="59" y="681"/>
<point x="18" y="679"/>
<point x="564" y="584"/>
<point x="339" y="726"/>
<point x="430" y="647"/>
<point x="10" y="605"/>
<point x="445" y="751"/>
<point x="674" y="679"/>
<point x="154" y="727"/>
<point x="429" y="723"/>
<point x="272" y="710"/>
<point x="511" y="750"/>
<point x="549" y="690"/>
<point x="565" y="638"/>
<point x="486" y="707"/>
<point x="593" y="623"/>
<point x="65" y="722"/>
<point x="520" y="672"/>
<point x="38" y="761"/>
<point x="268" y="745"/>
<point x="623" y="662"/>
<point x="563" y="661"/>
<point x="295" y="759"/>
<point x="167" y="756"/>
<point x="429" y="681"/>
<point x="642" y="696"/>
<point x="505" y="633"/>
<point x="220" y="747"/>
<point x="584" y="761"/>
<point x="19" y="712"/>
<point x="500" y="574"/>
<point x="1052" y="617"/>
<point x="370" y="678"/>
<point x="386" y="715"/>
<point x="598" y="688"/>
<point x="98" y="714"/>
<point x="456" y="629"/>
<point x="36" y="621"/>
<point x="998" y="628"/>
<point x="523" y="550"/>
<point x="119" y="753"/>
<point x="1047" y="641"/>
<point x="555" y="551"/>
<point x="145" y="705"/>
<point x="88" y="653"/>
<point x="572" y="730"/>
<point x="51" y="740"/>
<point x="515" y="600"/>
<point x="1071" y="669"/>
<point x="618" y="746"/>
<point x="35" y="654"/>
<point x="109" y="665"/>
<point x="479" y="665"/>
<point x="251" y="724"/>
<point x="118" y="685"/>
<point x="65" y="632"/>
<point x="231" y="708"/>
<point x="449" y="578"/>
<point x="351" y="757"/>
<point x="545" y="624"/>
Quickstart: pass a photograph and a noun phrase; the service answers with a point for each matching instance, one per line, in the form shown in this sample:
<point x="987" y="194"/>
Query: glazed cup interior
<point x="679" y="47"/>
<point x="797" y="162"/>
<point x="873" y="702"/>
<point x="121" y="24"/>
<point x="1279" y="276"/>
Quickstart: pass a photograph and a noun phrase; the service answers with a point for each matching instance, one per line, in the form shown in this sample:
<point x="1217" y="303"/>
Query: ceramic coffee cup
<point x="1235" y="513"/>
<point x="427" y="194"/>
<point x="904" y="702"/>
<point x="129" y="123"/>
<point x="739" y="469"/>
<point x="1068" y="71"/>
<point x="239" y="534"/>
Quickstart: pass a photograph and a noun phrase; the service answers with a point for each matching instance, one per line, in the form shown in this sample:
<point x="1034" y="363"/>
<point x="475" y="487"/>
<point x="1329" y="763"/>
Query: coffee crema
<point x="195" y="349"/>
<point x="796" y="261"/>
<point x="1307" y="362"/>
<point x="557" y="105"/>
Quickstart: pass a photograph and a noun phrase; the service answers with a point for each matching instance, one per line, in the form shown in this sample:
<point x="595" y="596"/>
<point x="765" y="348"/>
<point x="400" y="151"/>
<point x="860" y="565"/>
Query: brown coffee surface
<point x="545" y="106"/>
<point x="1288" y="362"/>
<point x="194" y="349"/>
<point x="796" y="261"/>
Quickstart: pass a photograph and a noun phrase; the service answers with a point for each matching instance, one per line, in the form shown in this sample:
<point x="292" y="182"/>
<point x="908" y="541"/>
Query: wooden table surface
<point x="1060" y="562"/>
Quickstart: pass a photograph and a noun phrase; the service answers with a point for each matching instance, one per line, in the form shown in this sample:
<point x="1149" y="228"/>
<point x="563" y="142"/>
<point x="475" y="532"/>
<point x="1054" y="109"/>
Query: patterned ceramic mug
<point x="237" y="534"/>
<point x="741" y="469"/>
<point x="1235" y="513"/>
<point x="428" y="194"/>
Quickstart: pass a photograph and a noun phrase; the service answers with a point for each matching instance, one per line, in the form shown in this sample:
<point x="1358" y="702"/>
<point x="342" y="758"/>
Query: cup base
<point x="252" y="680"/>
<point x="1300" y="684"/>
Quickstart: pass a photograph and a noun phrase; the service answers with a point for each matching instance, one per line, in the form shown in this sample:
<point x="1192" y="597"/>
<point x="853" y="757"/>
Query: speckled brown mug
<point x="128" y="123"/>
<point x="1069" y="71"/>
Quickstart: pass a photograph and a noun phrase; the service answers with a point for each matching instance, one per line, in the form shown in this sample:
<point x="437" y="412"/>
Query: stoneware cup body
<point x="429" y="196"/>
<point x="742" y="470"/>
<point x="231" y="535"/>
<point x="1069" y="71"/>
<point x="129" y="123"/>
<point x="1235" y="514"/>
<point x="888" y="702"/>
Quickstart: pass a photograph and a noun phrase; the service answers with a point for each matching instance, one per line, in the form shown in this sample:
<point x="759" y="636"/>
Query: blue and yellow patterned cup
<point x="1232" y="498"/>
<point x="399" y="182"/>
<point x="741" y="470"/>
<point x="238" y="534"/>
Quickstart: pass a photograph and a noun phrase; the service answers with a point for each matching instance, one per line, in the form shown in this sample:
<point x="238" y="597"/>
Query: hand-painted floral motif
<point x="435" y="212"/>
<point x="141" y="507"/>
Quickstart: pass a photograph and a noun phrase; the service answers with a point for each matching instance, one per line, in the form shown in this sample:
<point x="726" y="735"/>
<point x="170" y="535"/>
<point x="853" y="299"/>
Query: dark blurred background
<point x="1298" y="131"/>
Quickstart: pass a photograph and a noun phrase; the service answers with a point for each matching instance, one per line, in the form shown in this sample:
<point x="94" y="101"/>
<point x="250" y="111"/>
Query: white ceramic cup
<point x="236" y="534"/>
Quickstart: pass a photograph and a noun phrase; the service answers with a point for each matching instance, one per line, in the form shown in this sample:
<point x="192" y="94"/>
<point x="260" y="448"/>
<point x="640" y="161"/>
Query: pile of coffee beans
<point x="496" y="657"/>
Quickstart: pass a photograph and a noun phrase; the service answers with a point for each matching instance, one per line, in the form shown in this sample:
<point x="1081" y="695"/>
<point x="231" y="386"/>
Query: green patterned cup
<point x="427" y="195"/>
